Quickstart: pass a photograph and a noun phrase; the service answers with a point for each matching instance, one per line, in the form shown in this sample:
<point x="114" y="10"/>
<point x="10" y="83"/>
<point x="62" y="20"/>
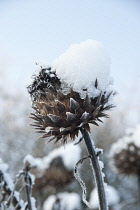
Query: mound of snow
<point x="65" y="200"/>
<point x="70" y="155"/>
<point x="81" y="65"/>
<point x="112" y="197"/>
<point x="132" y="136"/>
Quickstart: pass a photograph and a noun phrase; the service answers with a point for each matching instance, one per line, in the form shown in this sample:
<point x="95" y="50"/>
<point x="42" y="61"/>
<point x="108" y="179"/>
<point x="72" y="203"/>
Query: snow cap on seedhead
<point x="73" y="92"/>
<point x="81" y="65"/>
<point x="125" y="153"/>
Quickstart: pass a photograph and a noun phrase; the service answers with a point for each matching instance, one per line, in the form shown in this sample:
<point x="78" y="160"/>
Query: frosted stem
<point x="139" y="188"/>
<point x="97" y="171"/>
<point x="28" y="190"/>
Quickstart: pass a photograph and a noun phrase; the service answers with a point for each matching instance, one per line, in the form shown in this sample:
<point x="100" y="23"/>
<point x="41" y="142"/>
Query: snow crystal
<point x="132" y="136"/>
<point x="81" y="65"/>
<point x="103" y="176"/>
<point x="101" y="164"/>
<point x="69" y="201"/>
<point x="98" y="151"/>
<point x="113" y="197"/>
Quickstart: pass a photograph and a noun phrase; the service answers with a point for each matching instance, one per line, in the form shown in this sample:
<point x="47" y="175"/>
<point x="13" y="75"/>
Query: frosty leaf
<point x="82" y="184"/>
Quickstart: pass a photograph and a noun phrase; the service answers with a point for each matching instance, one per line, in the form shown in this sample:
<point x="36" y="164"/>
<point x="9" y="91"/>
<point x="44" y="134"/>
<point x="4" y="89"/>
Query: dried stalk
<point x="139" y="189"/>
<point x="96" y="171"/>
<point x="8" y="192"/>
<point x="28" y="189"/>
<point x="81" y="182"/>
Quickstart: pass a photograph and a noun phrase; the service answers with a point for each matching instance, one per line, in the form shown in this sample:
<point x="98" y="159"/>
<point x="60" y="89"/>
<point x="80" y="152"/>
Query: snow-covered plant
<point x="125" y="153"/>
<point x="56" y="169"/>
<point x="10" y="197"/>
<point x="63" y="201"/>
<point x="113" y="198"/>
<point x="72" y="93"/>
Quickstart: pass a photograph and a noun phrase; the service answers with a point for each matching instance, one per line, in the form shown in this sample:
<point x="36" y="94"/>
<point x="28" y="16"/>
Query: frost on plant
<point x="81" y="182"/>
<point x="12" y="198"/>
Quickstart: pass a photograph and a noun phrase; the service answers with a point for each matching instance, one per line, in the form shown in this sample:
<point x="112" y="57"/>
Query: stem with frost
<point x="97" y="171"/>
<point x="28" y="190"/>
<point x="139" y="188"/>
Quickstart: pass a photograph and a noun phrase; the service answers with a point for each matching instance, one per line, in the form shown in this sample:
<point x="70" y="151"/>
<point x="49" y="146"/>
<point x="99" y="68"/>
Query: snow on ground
<point x="70" y="155"/>
<point x="132" y="136"/>
<point x="81" y="65"/>
<point x="112" y="197"/>
<point x="65" y="200"/>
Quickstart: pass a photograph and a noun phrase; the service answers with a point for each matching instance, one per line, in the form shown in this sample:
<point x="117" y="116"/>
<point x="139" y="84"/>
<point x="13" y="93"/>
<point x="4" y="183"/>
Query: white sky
<point x="42" y="29"/>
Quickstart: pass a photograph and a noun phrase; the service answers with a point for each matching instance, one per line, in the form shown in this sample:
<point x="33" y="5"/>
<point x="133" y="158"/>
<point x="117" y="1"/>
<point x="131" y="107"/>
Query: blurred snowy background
<point x="41" y="30"/>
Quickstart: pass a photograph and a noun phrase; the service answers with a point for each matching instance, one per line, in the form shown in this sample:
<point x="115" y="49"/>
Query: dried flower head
<point x="125" y="153"/>
<point x="64" y="105"/>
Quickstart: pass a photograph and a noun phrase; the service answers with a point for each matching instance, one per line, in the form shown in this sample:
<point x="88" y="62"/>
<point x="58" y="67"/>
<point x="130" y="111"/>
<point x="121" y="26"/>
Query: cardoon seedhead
<point x="125" y="154"/>
<point x="64" y="106"/>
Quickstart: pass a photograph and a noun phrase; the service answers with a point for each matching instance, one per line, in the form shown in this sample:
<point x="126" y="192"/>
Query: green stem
<point x="96" y="171"/>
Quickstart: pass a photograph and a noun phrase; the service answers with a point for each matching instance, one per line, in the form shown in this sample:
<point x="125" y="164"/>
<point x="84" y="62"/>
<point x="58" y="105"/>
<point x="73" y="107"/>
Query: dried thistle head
<point x="125" y="154"/>
<point x="60" y="115"/>
<point x="64" y="104"/>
